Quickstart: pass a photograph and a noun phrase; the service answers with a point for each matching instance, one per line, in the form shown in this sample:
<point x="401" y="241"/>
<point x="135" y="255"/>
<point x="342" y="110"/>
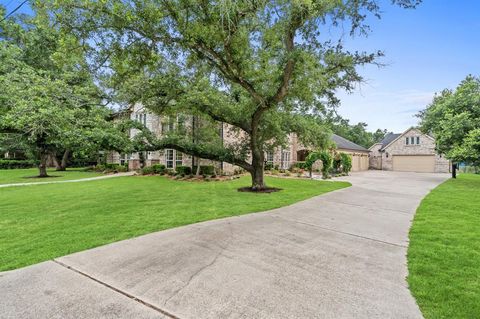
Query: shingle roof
<point x="346" y="144"/>
<point x="387" y="139"/>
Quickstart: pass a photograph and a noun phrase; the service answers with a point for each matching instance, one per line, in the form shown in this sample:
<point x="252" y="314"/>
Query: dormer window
<point x="412" y="140"/>
<point x="418" y="139"/>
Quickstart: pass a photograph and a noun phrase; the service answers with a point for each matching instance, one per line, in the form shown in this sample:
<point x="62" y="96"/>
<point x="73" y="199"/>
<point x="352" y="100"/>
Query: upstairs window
<point x="406" y="141"/>
<point x="418" y="139"/>
<point x="412" y="140"/>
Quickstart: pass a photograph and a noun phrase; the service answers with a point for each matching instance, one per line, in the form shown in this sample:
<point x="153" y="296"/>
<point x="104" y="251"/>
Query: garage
<point x="414" y="163"/>
<point x="359" y="161"/>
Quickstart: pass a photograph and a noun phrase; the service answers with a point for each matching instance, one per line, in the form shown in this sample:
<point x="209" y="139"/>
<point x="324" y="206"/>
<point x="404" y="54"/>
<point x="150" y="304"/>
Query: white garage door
<point x="414" y="163"/>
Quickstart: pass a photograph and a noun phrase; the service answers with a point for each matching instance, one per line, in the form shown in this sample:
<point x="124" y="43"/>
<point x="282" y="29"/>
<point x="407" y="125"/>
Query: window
<point x="406" y="141"/>
<point x="412" y="140"/>
<point x="418" y="139"/>
<point x="269" y="158"/>
<point x="145" y="119"/>
<point x="178" y="158"/>
<point x="169" y="158"/>
<point x="171" y="123"/>
<point x="181" y="122"/>
<point x="285" y="159"/>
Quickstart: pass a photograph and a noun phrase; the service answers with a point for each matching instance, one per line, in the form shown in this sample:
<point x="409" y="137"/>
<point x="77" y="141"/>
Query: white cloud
<point x="393" y="110"/>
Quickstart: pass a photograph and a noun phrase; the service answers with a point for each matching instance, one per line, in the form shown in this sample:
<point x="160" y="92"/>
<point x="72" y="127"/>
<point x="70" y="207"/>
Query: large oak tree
<point x="255" y="65"/>
<point x="47" y="97"/>
<point x="453" y="118"/>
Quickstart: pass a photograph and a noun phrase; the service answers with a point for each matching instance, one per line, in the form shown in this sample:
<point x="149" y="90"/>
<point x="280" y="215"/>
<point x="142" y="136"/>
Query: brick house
<point x="410" y="151"/>
<point x="284" y="157"/>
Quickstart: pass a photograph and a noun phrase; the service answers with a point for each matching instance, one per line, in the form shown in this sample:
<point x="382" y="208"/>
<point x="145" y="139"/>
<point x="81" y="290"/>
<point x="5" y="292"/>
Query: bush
<point x="147" y="170"/>
<point x="205" y="170"/>
<point x="12" y="164"/>
<point x="337" y="163"/>
<point x="346" y="162"/>
<point x="326" y="159"/>
<point x="268" y="166"/>
<point x="111" y="167"/>
<point x="170" y="172"/>
<point x="158" y="169"/>
<point x="297" y="165"/>
<point x="185" y="170"/>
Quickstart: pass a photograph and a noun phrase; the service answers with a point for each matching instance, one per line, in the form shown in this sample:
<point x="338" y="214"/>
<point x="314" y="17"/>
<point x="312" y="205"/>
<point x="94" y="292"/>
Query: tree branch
<point x="220" y="154"/>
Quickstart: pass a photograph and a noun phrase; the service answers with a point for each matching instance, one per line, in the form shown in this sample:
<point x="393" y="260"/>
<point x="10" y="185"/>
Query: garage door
<point x="410" y="163"/>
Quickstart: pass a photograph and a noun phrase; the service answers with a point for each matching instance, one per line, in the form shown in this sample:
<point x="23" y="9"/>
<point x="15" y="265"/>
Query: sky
<point x="428" y="49"/>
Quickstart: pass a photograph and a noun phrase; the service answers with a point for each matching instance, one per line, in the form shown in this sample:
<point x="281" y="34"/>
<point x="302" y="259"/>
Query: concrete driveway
<point x="340" y="255"/>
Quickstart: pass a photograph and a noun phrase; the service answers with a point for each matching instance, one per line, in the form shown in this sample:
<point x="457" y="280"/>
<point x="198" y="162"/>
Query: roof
<point x="343" y="143"/>
<point x="389" y="138"/>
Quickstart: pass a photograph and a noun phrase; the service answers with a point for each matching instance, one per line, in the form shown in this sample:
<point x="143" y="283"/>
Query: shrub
<point x="268" y="166"/>
<point x="205" y="169"/>
<point x="346" y="162"/>
<point x="326" y="159"/>
<point x="297" y="165"/>
<point x="158" y="169"/>
<point x="170" y="172"/>
<point x="238" y="171"/>
<point x="148" y="170"/>
<point x="110" y="167"/>
<point x="337" y="162"/>
<point x="12" y="164"/>
<point x="185" y="170"/>
<point x="287" y="173"/>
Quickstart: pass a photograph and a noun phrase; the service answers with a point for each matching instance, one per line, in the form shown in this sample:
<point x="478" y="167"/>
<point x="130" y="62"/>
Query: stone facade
<point x="281" y="158"/>
<point x="381" y="156"/>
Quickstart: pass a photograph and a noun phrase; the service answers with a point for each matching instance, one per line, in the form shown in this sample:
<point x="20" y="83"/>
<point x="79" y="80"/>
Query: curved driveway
<point x="339" y="255"/>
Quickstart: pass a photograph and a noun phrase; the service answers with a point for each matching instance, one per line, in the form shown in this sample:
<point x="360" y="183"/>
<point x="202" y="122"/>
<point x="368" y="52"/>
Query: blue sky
<point x="427" y="49"/>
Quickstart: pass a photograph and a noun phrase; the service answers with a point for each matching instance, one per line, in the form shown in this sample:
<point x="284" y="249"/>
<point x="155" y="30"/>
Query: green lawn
<point x="444" y="252"/>
<point x="14" y="176"/>
<point x="41" y="222"/>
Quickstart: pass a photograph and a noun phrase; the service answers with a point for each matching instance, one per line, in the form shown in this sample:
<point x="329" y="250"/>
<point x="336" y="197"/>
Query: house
<point x="360" y="155"/>
<point x="283" y="158"/>
<point x="410" y="151"/>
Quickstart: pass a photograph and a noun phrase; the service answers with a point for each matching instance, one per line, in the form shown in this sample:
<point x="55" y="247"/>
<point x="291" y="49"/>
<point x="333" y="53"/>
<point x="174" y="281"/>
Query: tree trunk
<point x="454" y="170"/>
<point x="63" y="163"/>
<point x="258" y="182"/>
<point x="42" y="167"/>
<point x="198" y="167"/>
<point x="55" y="162"/>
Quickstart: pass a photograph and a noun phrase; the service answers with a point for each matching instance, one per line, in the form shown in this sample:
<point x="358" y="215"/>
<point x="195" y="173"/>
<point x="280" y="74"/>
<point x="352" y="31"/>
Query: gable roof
<point x="343" y="143"/>
<point x="400" y="135"/>
<point x="389" y="138"/>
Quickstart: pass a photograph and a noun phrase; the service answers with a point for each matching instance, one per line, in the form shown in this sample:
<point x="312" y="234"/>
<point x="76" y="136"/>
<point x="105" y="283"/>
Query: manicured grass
<point x="41" y="222"/>
<point x="28" y="175"/>
<point x="444" y="252"/>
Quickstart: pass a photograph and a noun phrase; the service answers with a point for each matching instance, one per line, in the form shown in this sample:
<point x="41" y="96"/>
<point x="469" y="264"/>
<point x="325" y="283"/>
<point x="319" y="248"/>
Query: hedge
<point x="12" y="164"/>
<point x="204" y="170"/>
<point x="185" y="170"/>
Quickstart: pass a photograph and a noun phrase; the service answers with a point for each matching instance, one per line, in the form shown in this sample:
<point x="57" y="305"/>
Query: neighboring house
<point x="283" y="158"/>
<point x="410" y="151"/>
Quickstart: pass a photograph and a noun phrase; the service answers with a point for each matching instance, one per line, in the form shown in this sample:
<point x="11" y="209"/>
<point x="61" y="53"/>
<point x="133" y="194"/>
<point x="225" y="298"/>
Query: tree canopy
<point x="47" y="96"/>
<point x="453" y="118"/>
<point x="257" y="66"/>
